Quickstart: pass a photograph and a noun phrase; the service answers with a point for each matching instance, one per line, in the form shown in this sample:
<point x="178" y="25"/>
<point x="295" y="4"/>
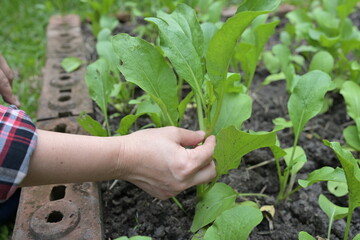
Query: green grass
<point x="23" y="42"/>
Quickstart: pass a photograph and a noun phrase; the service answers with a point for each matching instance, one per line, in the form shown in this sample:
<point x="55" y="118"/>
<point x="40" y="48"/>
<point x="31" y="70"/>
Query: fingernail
<point x="201" y="133"/>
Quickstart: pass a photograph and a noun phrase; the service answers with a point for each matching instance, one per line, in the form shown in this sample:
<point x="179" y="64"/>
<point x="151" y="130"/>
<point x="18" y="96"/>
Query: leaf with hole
<point x="324" y="174"/>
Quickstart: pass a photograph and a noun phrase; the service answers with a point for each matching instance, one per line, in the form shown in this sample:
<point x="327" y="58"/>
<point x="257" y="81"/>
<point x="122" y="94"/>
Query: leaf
<point x="90" y="125"/>
<point x="108" y="22"/>
<point x="183" y="105"/>
<point x="281" y="123"/>
<point x="351" y="93"/>
<point x="332" y="211"/>
<point x="307" y="99"/>
<point x="352" y="173"/>
<point x="104" y="35"/>
<point x="351" y="135"/>
<point x="100" y="83"/>
<point x="105" y="50"/>
<point x="126" y="122"/>
<point x="271" y="62"/>
<point x="199" y="235"/>
<point x="298" y="160"/>
<point x="322" y="61"/>
<point x="71" y="64"/>
<point x="143" y="65"/>
<point x="236" y="108"/>
<point x="273" y="77"/>
<point x="357" y="237"/>
<point x="305" y="236"/>
<point x="258" y="5"/>
<point x="283" y="53"/>
<point x="339" y="189"/>
<point x="248" y="53"/>
<point x="344" y="9"/>
<point x="222" y="44"/>
<point x="182" y="41"/>
<point x="218" y="199"/>
<point x="233" y="144"/>
<point x="324" y="174"/>
<point x="235" y="223"/>
<point x="215" y="10"/>
<point x="208" y="30"/>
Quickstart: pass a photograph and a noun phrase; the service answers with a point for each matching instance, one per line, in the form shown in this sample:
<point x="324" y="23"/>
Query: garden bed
<point x="128" y="211"/>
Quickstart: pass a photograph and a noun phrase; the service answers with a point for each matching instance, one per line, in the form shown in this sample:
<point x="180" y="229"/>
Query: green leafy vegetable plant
<point x="252" y="43"/>
<point x="100" y="14"/>
<point x="104" y="80"/>
<point x="352" y="173"/>
<point x="332" y="211"/>
<point x="305" y="102"/>
<point x="341" y="181"/>
<point x="351" y="93"/>
<point x="216" y="92"/>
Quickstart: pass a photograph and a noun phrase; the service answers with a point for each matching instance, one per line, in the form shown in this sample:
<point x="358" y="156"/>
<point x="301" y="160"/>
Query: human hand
<point x="6" y="78"/>
<point x="159" y="162"/>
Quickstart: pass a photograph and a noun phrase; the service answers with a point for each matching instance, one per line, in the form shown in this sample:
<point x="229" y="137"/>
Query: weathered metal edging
<point x="62" y="211"/>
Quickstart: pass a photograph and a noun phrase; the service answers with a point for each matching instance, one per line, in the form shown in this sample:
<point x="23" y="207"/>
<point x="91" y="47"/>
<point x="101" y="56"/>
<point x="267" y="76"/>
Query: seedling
<point x="351" y="93"/>
<point x="305" y="102"/>
<point x="332" y="211"/>
<point x="352" y="173"/>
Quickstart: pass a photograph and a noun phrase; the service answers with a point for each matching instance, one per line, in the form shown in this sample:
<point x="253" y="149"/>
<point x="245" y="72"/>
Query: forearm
<point x="69" y="158"/>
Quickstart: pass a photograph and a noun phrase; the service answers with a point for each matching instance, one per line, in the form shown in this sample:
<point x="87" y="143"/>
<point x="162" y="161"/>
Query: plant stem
<point x="293" y="191"/>
<point x="331" y="220"/>
<point x="280" y="176"/>
<point x="179" y="204"/>
<point x="348" y="221"/>
<point x="107" y="123"/>
<point x="252" y="195"/>
<point x="217" y="111"/>
<point x="180" y="85"/>
<point x="199" y="110"/>
<point x="288" y="173"/>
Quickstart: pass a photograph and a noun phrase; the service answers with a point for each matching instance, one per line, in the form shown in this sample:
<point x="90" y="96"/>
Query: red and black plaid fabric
<point x="17" y="143"/>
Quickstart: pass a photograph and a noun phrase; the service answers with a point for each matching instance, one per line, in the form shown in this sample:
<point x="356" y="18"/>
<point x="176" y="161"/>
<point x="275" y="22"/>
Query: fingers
<point x="205" y="175"/>
<point x="6" y="69"/>
<point x="203" y="153"/>
<point x="6" y="91"/>
<point x="189" y="138"/>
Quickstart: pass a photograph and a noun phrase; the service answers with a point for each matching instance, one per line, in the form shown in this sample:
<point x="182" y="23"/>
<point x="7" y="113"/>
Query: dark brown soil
<point x="128" y="211"/>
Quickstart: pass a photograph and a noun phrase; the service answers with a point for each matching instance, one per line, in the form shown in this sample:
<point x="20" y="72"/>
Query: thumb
<point x="189" y="138"/>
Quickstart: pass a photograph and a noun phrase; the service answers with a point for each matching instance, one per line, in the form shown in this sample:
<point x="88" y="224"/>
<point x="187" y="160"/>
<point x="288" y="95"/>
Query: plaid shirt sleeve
<point x="17" y="143"/>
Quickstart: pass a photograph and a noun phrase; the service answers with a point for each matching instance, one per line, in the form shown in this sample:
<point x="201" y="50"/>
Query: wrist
<point x="121" y="157"/>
